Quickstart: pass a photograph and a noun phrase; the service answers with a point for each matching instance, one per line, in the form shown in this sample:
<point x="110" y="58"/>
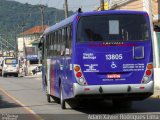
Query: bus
<point x="101" y="55"/>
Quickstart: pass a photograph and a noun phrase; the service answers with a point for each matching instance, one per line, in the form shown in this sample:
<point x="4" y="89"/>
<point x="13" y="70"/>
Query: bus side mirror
<point x="40" y="46"/>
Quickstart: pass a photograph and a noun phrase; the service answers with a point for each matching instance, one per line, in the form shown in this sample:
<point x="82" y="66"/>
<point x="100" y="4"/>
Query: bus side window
<point x="63" y="42"/>
<point x="47" y="44"/>
<point x="67" y="45"/>
<point x="70" y="40"/>
<point x="66" y="42"/>
<point x="59" y="42"/>
<point x="56" y="42"/>
<point x="53" y="44"/>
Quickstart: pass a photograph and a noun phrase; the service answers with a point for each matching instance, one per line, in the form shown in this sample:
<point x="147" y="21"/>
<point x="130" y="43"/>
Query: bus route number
<point x="114" y="57"/>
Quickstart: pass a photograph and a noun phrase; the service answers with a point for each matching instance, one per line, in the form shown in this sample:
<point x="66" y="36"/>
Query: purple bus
<point x="101" y="55"/>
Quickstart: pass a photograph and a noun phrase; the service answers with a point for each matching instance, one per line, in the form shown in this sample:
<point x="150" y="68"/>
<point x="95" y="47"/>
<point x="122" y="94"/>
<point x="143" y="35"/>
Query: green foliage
<point x="14" y="14"/>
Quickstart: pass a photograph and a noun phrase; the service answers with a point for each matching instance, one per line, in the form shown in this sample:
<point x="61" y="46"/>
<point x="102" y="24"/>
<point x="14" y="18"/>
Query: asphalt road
<point x="24" y="97"/>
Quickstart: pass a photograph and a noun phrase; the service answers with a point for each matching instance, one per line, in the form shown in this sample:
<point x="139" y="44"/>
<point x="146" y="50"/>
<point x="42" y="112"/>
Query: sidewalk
<point x="37" y="76"/>
<point x="156" y="94"/>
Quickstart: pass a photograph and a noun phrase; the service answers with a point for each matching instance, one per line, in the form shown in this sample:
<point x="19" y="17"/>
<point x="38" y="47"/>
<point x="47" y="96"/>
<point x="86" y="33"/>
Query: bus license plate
<point x="113" y="76"/>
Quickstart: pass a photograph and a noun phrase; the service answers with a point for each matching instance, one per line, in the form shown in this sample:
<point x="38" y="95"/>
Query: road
<point x="24" y="97"/>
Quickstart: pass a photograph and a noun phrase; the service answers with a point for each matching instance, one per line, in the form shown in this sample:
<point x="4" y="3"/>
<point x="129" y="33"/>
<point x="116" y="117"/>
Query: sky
<point x="87" y="5"/>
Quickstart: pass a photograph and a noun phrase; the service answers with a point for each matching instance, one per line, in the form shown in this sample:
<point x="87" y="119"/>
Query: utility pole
<point x="41" y="7"/>
<point x="102" y="4"/>
<point x="1" y="46"/>
<point x="24" y="50"/>
<point x="16" y="54"/>
<point x="66" y="8"/>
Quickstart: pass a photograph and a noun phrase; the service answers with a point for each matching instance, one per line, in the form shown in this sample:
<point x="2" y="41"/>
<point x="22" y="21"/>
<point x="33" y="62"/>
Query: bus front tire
<point x="48" y="96"/>
<point x="63" y="103"/>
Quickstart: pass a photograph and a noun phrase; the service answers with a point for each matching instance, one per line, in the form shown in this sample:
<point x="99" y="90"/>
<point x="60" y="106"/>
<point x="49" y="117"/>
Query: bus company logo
<point x="89" y="56"/>
<point x="91" y="68"/>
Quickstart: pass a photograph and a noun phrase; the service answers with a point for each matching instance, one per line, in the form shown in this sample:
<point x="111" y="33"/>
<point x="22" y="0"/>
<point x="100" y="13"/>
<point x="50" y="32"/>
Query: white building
<point x="28" y="46"/>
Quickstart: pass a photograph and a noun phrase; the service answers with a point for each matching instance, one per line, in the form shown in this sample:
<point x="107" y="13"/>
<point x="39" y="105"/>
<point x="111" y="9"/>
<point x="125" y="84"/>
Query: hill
<point x="14" y="14"/>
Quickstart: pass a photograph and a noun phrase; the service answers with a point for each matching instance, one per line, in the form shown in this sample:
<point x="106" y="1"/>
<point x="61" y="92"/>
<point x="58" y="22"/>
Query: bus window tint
<point x="63" y="42"/>
<point x="67" y="41"/>
<point x="113" y="28"/>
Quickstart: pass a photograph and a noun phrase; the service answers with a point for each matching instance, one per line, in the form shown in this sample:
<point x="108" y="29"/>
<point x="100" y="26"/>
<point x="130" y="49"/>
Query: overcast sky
<point x="87" y="5"/>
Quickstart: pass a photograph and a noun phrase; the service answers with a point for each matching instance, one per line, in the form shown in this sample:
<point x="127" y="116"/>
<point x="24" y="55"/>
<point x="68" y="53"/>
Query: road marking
<point x="20" y="103"/>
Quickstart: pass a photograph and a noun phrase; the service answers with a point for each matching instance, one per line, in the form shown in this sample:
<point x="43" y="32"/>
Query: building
<point x="138" y="5"/>
<point x="28" y="47"/>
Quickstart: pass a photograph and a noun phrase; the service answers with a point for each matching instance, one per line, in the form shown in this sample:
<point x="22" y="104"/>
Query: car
<point x="10" y="66"/>
<point x="37" y="69"/>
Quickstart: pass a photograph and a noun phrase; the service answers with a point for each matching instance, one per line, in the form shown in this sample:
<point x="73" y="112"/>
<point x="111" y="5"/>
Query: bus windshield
<point x="10" y="61"/>
<point x="109" y="28"/>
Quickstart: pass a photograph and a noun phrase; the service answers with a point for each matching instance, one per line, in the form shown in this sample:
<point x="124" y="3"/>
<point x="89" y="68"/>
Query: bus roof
<point x="60" y="24"/>
<point x="71" y="18"/>
<point x="113" y="12"/>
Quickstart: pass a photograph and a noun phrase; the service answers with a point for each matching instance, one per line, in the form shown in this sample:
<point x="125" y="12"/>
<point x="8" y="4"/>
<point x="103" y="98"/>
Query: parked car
<point x="10" y="66"/>
<point x="37" y="69"/>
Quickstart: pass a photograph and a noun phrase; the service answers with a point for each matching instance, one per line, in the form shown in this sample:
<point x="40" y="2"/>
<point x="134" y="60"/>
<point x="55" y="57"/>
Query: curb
<point x="155" y="96"/>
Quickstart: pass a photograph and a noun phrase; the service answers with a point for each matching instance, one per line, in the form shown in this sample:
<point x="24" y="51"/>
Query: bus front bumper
<point x="132" y="91"/>
<point x="11" y="72"/>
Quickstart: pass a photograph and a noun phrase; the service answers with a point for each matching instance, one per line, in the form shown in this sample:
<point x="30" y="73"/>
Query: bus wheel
<point x="48" y="96"/>
<point x="63" y="105"/>
<point x="74" y="104"/>
<point x="122" y="103"/>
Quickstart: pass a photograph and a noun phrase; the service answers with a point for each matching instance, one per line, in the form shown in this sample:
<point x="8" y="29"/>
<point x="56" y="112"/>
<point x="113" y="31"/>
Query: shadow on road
<point x="106" y="107"/>
<point x="6" y="104"/>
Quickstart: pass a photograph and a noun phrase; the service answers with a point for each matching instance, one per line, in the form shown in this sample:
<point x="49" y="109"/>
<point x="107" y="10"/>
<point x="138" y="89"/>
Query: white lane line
<point x="20" y="103"/>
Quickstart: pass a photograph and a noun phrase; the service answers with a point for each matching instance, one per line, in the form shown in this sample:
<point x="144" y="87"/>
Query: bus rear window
<point x="10" y="61"/>
<point x="125" y="27"/>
